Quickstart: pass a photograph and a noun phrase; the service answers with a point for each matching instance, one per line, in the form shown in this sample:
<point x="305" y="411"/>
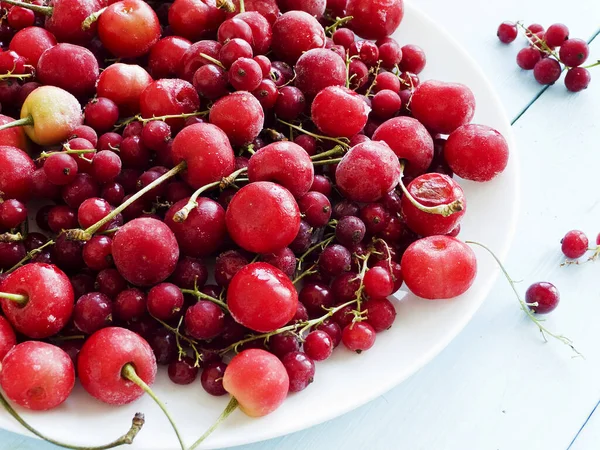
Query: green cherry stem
<point x="21" y="77"/>
<point x="216" y="62"/>
<point x="444" y="210"/>
<point x="337" y="150"/>
<point x="17" y="298"/>
<point x="136" y="425"/>
<point x="543" y="330"/>
<point x="339" y="21"/>
<point x="326" y="162"/>
<point x="128" y="372"/>
<point x="45" y="10"/>
<point x="25" y="121"/>
<point x="86" y="235"/>
<point x="89" y="20"/>
<point x="231" y="406"/>
<point x="202" y="296"/>
<point x="183" y="213"/>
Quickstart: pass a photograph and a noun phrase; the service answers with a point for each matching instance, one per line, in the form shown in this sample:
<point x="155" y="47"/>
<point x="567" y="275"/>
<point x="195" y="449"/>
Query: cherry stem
<point x="89" y="20"/>
<point x="18" y="123"/>
<point x="46" y="10"/>
<point x="202" y="296"/>
<point x="327" y="162"/>
<point x="128" y="372"/>
<point x="17" y="298"/>
<point x="136" y="425"/>
<point x="523" y="304"/>
<point x="17" y="76"/>
<point x="11" y="237"/>
<point x="216" y="62"/>
<point x="444" y="210"/>
<point x="340" y="141"/>
<point x="338" y="149"/>
<point x="30" y="255"/>
<point x="231" y="406"/>
<point x="227" y="5"/>
<point x="86" y="235"/>
<point x="242" y="6"/>
<point x="338" y="23"/>
<point x="183" y="213"/>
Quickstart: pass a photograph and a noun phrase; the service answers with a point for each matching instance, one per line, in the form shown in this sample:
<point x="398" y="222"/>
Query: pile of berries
<point x="261" y="145"/>
<point x="542" y="56"/>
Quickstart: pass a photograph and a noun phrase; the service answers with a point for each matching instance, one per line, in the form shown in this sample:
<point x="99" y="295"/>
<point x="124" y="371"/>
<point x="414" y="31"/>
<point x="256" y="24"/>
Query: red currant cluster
<point x="542" y="57"/>
<point x="248" y="184"/>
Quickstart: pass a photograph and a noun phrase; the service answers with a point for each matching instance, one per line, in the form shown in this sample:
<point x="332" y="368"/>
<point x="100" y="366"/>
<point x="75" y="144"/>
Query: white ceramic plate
<point x="345" y="381"/>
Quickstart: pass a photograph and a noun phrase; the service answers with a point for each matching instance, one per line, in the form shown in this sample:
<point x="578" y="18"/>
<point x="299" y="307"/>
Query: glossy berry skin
<point x="60" y="169"/>
<point x="556" y="35"/>
<point x="375" y="19"/>
<point x="245" y="74"/>
<point x="49" y="304"/>
<point x="577" y="79"/>
<point x="258" y="380"/>
<point x="316" y="208"/>
<point x="164" y="301"/>
<point x="97" y="252"/>
<point x="261" y="297"/>
<point x="262" y="34"/>
<point x="31" y="42"/>
<point x="316" y="297"/>
<point x="189" y="271"/>
<point x="507" y="32"/>
<point x="169" y="97"/>
<point x="8" y="339"/>
<point x="409" y="140"/>
<point x="101" y="361"/>
<point x="239" y="115"/>
<point x="339" y="98"/>
<point x="204" y="230"/>
<point x="545" y="295"/>
<point x="442" y="107"/>
<point x="547" y="71"/>
<point x="129" y="28"/>
<point x="227" y="265"/>
<point x="16" y="172"/>
<point x="574" y="52"/>
<point x="367" y="172"/>
<point x="70" y="67"/>
<point x="12" y="213"/>
<point x="124" y="84"/>
<point x="378" y="282"/>
<point x="130" y="304"/>
<point x="183" y="372"/>
<point x="294" y="33"/>
<point x="318" y="345"/>
<point x="433" y="189"/>
<point x="575" y="244"/>
<point x="386" y="104"/>
<point x="92" y="312"/>
<point x="380" y="313"/>
<point x="145" y="251"/>
<point x="207" y="152"/>
<point x="284" y="163"/>
<point x="12" y="137"/>
<point x="335" y="260"/>
<point x="165" y="56"/>
<point x="317" y="69"/>
<point x="212" y="378"/>
<point x="476" y="152"/>
<point x="204" y="320"/>
<point x="438" y="267"/>
<point x="37" y="375"/>
<point x="195" y="19"/>
<point x="263" y="217"/>
<point x="300" y="369"/>
<point x="528" y="57"/>
<point x="358" y="336"/>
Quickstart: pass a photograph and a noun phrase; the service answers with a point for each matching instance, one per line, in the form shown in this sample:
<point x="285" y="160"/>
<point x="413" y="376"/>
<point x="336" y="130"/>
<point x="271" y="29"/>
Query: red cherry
<point x="195" y="19"/>
<point x="16" y="173"/>
<point x="165" y="56"/>
<point x="31" y="42"/>
<point x="204" y="320"/>
<point x="100" y="371"/>
<point x="263" y="217"/>
<point x="318" y="68"/>
<point x="375" y="19"/>
<point x="8" y="339"/>
<point x="439" y="267"/>
<point x="261" y="297"/>
<point x="336" y="98"/>
<point x="247" y="122"/>
<point x="124" y="84"/>
<point x="169" y="97"/>
<point x="37" y="376"/>
<point x="294" y="33"/>
<point x="48" y="300"/>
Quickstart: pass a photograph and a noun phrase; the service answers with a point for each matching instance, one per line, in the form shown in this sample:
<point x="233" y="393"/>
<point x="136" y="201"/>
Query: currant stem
<point x="326" y="162"/>
<point x="46" y="10"/>
<point x="322" y="245"/>
<point x="86" y="235"/>
<point x="30" y="255"/>
<point x="17" y="298"/>
<point x="589" y="66"/>
<point x="11" y="237"/>
<point x="242" y="6"/>
<point x="136" y="425"/>
<point x="201" y="295"/>
<point x="374" y="83"/>
<point x="227" y="5"/>
<point x="444" y="210"/>
<point x="191" y="342"/>
<point x="216" y="62"/>
<point x="306" y="273"/>
<point x="80" y="153"/>
<point x="128" y="372"/>
<point x="231" y="406"/>
<point x="182" y="214"/>
<point x="338" y="23"/>
<point x="25" y="121"/>
<point x="340" y="141"/>
<point x="17" y="76"/>
<point x="89" y="20"/>
<point x="523" y="304"/>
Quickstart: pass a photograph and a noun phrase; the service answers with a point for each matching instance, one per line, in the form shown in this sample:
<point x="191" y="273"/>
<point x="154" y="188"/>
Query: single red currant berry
<point x="542" y="297"/>
<point x="507" y="32"/>
<point x="574" y="244"/>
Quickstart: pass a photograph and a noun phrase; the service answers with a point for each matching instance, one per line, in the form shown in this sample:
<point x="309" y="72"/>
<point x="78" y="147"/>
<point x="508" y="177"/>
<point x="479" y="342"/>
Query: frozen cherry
<point x="375" y="19"/>
<point x="245" y="124"/>
<point x="317" y="69"/>
<point x="294" y="33"/>
<point x="336" y="98"/>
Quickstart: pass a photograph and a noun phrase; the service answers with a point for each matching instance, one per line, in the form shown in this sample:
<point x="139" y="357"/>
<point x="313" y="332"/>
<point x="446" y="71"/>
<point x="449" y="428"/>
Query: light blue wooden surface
<point x="498" y="386"/>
